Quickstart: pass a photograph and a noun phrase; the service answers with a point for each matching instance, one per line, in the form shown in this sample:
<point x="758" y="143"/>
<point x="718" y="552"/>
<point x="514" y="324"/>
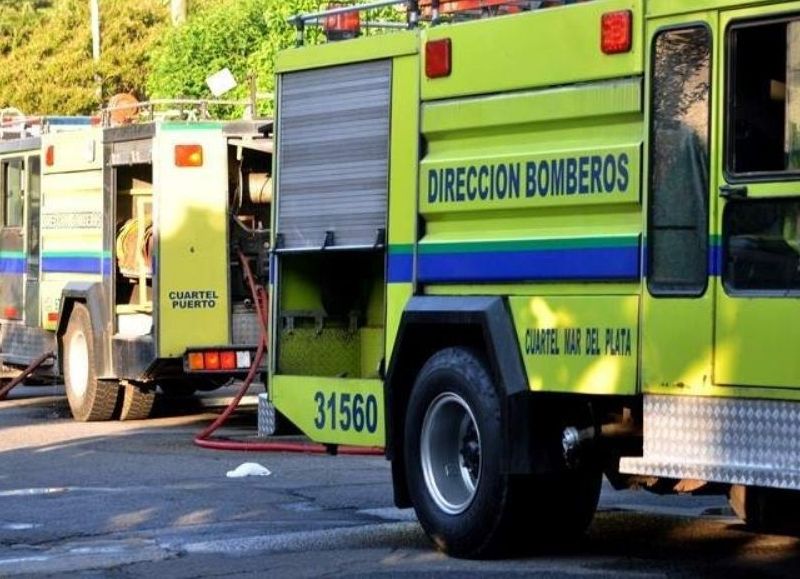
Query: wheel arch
<point x="91" y="295"/>
<point x="432" y="323"/>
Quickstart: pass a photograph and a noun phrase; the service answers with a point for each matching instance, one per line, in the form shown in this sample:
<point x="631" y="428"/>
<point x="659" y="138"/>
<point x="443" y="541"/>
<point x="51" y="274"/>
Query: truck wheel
<point x="453" y="448"/>
<point x="136" y="403"/>
<point x="766" y="509"/>
<point x="89" y="398"/>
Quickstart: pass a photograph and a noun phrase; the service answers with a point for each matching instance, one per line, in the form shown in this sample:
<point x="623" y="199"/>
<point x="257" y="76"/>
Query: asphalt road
<point x="138" y="499"/>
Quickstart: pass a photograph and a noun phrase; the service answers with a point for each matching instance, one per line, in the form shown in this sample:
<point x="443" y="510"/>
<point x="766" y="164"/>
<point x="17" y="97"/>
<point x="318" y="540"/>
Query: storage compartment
<point x="331" y="314"/>
<point x="334" y="157"/>
<point x="134" y="247"/>
<point x="250" y="206"/>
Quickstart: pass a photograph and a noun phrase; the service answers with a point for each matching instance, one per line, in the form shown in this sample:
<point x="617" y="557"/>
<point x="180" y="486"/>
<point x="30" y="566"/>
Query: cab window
<point x="12" y="193"/>
<point x="763" y="136"/>
<point x="677" y="244"/>
<point x="762" y="246"/>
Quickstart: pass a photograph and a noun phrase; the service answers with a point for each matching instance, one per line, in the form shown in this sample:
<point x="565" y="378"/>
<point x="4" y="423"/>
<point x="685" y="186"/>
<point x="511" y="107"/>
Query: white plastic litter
<point x="248" y="469"/>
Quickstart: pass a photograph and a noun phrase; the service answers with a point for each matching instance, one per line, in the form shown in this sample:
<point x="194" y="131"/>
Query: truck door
<point x="757" y="307"/>
<point x="12" y="258"/>
<point x="678" y="298"/>
<point x="32" y="249"/>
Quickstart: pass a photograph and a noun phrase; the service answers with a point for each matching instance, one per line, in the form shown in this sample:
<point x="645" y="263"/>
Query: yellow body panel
<point x="192" y="221"/>
<point x="579" y="344"/>
<point x="71" y="218"/>
<point x="333" y="410"/>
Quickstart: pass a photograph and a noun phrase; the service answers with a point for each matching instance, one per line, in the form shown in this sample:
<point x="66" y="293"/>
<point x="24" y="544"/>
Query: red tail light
<point x="227" y="360"/>
<point x="211" y="360"/>
<point x="616" y="32"/>
<point x="438" y="58"/>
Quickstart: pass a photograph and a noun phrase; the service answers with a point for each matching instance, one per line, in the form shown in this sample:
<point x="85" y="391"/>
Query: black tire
<point x="137" y="403"/>
<point x="766" y="510"/>
<point x="89" y="399"/>
<point x="506" y="514"/>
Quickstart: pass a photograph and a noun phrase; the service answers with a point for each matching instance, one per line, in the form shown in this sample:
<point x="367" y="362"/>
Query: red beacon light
<point x="342" y="26"/>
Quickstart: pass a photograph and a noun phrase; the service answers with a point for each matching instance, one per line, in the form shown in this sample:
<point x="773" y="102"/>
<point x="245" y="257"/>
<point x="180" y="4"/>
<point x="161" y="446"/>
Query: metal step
<point x="727" y="440"/>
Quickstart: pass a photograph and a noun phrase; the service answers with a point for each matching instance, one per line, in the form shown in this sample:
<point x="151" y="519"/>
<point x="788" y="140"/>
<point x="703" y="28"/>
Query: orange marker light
<point x="196" y="361"/>
<point x="616" y="32"/>
<point x="211" y="360"/>
<point x="50" y="156"/>
<point x="188" y="155"/>
<point x="438" y="58"/>
<point x="52" y="316"/>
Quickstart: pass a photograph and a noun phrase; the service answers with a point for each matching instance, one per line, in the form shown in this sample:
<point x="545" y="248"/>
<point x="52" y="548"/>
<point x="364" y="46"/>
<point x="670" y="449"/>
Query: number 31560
<point x="346" y="412"/>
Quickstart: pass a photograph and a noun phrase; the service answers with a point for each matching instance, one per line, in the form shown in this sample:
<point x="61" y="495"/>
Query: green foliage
<point x="242" y="35"/>
<point x="50" y="71"/>
<point x="17" y="20"/>
<point x="46" y="50"/>
<point x="282" y="35"/>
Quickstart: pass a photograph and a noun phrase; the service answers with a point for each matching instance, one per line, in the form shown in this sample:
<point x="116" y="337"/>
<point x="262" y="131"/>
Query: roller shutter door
<point x="333" y="155"/>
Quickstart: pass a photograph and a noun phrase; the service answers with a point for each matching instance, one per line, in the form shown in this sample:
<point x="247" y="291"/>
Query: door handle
<point x="731" y="192"/>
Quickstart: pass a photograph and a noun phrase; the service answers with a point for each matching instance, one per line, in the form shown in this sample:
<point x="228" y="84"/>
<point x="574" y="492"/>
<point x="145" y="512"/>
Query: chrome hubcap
<point x="451" y="453"/>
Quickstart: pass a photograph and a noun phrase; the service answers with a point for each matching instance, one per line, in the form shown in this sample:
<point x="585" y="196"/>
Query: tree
<point x="17" y="19"/>
<point x="50" y="70"/>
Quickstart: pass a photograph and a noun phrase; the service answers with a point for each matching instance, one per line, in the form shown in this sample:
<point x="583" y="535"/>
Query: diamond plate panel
<point x="266" y="416"/>
<point x="245" y="328"/>
<point x="751" y="442"/>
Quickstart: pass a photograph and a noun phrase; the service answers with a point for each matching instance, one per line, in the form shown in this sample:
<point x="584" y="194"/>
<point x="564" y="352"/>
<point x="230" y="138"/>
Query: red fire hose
<point x="204" y="440"/>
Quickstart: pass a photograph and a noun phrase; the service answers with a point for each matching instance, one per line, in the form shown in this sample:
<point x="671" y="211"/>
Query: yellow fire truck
<point x="121" y="251"/>
<point x="523" y="249"/>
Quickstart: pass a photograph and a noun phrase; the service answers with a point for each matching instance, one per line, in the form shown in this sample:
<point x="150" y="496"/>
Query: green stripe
<point x="524" y="245"/>
<point x="202" y="126"/>
<point x="12" y="255"/>
<point x="401" y="249"/>
<point x="76" y="254"/>
<point x="529" y="244"/>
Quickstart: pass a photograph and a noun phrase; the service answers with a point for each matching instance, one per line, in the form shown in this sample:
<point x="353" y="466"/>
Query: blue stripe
<point x="69" y="121"/>
<point x="12" y="265"/>
<point x="401" y="267"/>
<point x="715" y="260"/>
<point x="590" y="264"/>
<point x="74" y="264"/>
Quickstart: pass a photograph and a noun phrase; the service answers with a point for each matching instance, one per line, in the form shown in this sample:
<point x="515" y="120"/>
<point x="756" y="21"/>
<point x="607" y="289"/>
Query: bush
<point x="242" y="35"/>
